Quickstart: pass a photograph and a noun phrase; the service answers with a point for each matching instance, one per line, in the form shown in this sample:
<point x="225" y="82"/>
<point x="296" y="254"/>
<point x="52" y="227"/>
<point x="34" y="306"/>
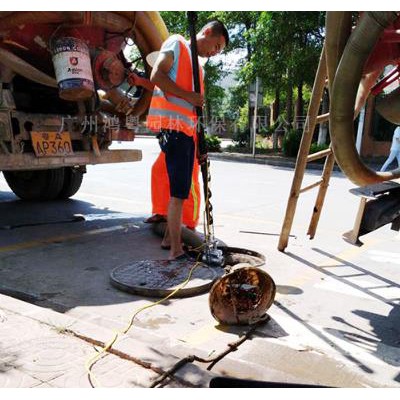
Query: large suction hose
<point x="389" y="107"/>
<point x="344" y="92"/>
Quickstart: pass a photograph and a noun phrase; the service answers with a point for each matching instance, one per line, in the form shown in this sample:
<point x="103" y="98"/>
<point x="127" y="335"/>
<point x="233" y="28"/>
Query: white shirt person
<point x="394" y="150"/>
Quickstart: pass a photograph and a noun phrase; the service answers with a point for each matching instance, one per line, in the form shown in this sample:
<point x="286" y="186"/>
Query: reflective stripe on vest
<point x="170" y="112"/>
<point x="174" y="115"/>
<point x="174" y="100"/>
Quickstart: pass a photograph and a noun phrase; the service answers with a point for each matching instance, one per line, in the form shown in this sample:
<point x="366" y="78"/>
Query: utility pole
<point x="255" y="117"/>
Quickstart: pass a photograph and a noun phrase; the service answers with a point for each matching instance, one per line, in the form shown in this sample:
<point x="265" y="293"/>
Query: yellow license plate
<point x="51" y="144"/>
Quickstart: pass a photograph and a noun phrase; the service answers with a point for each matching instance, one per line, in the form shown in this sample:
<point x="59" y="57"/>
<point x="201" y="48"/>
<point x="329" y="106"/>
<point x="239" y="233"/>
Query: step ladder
<point x="338" y="29"/>
<point x="304" y="157"/>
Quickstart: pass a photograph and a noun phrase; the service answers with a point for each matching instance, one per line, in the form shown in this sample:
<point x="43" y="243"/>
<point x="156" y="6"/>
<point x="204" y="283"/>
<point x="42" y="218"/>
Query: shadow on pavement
<point x="383" y="341"/>
<point x="53" y="259"/>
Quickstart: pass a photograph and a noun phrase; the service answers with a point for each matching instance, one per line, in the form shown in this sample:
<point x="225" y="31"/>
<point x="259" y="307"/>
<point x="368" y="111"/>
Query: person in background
<point x="394" y="150"/>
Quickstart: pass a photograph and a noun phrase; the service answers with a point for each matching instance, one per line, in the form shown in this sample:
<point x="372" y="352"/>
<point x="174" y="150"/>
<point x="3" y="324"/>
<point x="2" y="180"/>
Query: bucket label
<point x="69" y="45"/>
<point x="72" y="65"/>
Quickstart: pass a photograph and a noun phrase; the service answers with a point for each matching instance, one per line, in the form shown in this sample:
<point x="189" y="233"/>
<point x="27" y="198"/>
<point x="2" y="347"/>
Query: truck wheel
<point x="36" y="185"/>
<point x="72" y="182"/>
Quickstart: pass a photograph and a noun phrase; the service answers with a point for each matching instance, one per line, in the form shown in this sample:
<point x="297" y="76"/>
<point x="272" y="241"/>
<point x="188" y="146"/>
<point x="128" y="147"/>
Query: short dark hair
<point x="217" y="29"/>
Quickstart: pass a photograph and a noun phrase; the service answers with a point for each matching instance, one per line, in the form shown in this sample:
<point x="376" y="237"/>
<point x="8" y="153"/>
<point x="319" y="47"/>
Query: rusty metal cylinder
<point x="242" y="297"/>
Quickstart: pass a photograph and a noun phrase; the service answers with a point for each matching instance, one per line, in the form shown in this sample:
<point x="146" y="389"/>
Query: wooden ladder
<point x="304" y="157"/>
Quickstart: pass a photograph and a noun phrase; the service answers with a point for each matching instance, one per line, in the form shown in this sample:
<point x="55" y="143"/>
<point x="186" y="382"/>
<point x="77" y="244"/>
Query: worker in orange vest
<point x="160" y="183"/>
<point x="172" y="114"/>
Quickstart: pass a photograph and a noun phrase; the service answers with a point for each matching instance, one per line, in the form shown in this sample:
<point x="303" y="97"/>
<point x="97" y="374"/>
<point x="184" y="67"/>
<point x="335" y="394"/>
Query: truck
<point x="65" y="97"/>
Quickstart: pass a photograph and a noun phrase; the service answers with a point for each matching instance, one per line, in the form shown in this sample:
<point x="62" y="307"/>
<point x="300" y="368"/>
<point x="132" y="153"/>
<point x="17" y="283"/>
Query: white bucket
<point x="71" y="60"/>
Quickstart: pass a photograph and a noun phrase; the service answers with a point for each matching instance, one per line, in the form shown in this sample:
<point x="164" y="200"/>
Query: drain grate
<point x="159" y="278"/>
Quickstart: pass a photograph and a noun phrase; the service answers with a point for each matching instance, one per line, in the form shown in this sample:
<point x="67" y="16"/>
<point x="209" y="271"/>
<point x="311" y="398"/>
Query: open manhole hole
<point x="235" y="256"/>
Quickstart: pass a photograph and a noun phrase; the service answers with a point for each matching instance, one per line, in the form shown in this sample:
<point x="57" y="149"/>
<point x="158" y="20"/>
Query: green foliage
<point x="291" y="143"/>
<point x="236" y="100"/>
<point x="282" y="48"/>
<point x="288" y="45"/>
<point x="241" y="138"/>
<point x="177" y="22"/>
<point x="214" y="94"/>
<point x="315" y="147"/>
<point x="213" y="143"/>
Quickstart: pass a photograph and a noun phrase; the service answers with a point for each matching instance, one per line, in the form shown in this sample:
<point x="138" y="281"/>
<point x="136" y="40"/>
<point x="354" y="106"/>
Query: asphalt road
<point x="335" y="320"/>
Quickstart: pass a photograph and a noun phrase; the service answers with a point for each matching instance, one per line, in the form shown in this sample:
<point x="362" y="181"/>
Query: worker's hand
<point x="195" y="99"/>
<point x="124" y="106"/>
<point x="133" y="79"/>
<point x="136" y="80"/>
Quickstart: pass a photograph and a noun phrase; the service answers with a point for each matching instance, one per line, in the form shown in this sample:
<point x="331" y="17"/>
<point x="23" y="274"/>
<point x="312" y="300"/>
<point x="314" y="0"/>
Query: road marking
<point x="208" y="332"/>
<point x="342" y="288"/>
<point x="204" y="334"/>
<point x="36" y="243"/>
<point x="384" y="256"/>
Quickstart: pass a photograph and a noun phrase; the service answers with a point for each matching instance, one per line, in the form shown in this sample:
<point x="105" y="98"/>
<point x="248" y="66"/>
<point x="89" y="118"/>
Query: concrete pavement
<point x="40" y="347"/>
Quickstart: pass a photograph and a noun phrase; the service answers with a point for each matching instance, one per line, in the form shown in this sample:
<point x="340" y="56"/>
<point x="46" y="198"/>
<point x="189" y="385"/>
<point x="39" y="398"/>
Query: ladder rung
<point x="319" y="154"/>
<point x="379" y="287"/>
<point x="313" y="185"/>
<point x="322" y="118"/>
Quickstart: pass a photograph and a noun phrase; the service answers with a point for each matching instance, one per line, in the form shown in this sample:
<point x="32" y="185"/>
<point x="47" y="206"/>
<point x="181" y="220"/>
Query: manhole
<point x="236" y="255"/>
<point x="159" y="278"/>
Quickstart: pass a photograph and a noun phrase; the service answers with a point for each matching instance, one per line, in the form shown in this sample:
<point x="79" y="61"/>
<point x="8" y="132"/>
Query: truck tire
<point x="36" y="184"/>
<point x="72" y="182"/>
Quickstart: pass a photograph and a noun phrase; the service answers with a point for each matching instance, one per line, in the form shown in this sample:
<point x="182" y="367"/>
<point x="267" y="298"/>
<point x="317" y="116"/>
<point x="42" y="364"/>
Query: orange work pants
<point x="160" y="192"/>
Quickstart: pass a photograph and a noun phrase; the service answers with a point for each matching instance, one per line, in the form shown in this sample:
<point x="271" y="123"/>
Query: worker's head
<point x="212" y="39"/>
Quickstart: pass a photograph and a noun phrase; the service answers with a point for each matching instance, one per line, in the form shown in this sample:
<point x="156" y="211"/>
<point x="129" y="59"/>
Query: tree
<point x="288" y="46"/>
<point x="282" y="48"/>
<point x="241" y="25"/>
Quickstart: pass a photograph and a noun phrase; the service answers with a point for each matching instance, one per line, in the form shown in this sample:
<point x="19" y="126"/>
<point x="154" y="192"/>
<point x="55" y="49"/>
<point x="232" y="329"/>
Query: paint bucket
<point x="73" y="70"/>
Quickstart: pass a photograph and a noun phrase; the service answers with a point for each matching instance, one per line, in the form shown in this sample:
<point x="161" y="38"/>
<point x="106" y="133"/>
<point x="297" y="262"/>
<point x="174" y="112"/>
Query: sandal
<point x="154" y="219"/>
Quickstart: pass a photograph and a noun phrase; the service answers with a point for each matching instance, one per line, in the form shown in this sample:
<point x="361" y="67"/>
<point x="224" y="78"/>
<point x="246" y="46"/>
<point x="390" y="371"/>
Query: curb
<point x="276" y="161"/>
<point x="273" y="161"/>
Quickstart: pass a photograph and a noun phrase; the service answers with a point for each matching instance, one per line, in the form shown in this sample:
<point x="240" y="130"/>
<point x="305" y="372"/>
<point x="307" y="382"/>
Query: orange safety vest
<point x="170" y="112"/>
<point x="160" y="192"/>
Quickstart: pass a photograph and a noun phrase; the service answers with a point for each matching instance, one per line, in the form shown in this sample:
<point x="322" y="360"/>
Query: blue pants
<point x="393" y="154"/>
<point x="179" y="157"/>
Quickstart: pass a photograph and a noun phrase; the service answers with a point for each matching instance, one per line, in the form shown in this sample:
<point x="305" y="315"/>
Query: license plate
<point x="51" y="144"/>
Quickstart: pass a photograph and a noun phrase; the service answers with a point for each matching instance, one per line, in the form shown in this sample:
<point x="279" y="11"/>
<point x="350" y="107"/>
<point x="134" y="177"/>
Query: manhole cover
<point x="159" y="278"/>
